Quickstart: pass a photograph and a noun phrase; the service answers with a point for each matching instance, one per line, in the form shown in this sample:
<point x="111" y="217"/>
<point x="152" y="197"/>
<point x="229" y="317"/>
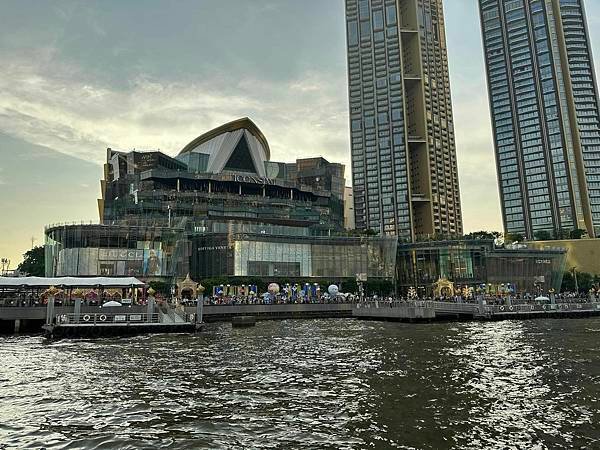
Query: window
<point x="352" y="33"/>
<point x="390" y="13"/>
<point x="365" y="31"/>
<point x="363" y="9"/>
<point x="378" y="20"/>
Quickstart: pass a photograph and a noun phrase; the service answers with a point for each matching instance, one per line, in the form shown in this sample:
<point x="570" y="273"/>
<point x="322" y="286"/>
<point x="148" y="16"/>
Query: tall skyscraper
<point x="544" y="107"/>
<point x="404" y="167"/>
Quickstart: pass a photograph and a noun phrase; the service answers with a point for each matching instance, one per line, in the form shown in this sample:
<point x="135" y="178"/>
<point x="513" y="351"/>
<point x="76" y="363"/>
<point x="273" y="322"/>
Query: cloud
<point x="60" y="107"/>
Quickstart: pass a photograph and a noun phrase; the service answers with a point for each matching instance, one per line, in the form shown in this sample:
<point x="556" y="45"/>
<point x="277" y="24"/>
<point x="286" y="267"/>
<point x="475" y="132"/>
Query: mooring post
<point x="50" y="310"/>
<point x="150" y="311"/>
<point x="77" y="295"/>
<point x="481" y="304"/>
<point x="17" y="326"/>
<point x="77" y="310"/>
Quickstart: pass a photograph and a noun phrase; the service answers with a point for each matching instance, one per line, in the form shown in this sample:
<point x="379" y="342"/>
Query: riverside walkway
<point x="436" y="310"/>
<point x="32" y="318"/>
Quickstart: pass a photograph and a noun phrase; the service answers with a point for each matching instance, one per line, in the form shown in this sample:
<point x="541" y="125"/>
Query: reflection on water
<point x="309" y="384"/>
<point x="524" y="391"/>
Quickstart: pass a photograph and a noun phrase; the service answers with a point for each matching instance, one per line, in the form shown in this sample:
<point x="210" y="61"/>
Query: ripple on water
<point x="308" y="384"/>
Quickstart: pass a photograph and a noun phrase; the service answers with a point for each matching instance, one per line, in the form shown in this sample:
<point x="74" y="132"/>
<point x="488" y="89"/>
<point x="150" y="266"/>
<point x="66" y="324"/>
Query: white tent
<point x="111" y="303"/>
<point x="70" y="282"/>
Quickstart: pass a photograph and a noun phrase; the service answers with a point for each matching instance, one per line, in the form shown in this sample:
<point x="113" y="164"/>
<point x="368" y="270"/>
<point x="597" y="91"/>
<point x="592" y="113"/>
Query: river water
<point x="334" y="383"/>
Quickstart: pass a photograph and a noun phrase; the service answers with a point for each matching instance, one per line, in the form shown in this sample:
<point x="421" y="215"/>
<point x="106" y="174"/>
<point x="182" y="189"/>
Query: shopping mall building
<point x="222" y="209"/>
<point x="479" y="264"/>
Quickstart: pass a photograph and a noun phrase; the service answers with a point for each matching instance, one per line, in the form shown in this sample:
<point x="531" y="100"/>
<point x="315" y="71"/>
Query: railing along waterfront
<point x="406" y="309"/>
<point x="103" y="318"/>
<point x="541" y="308"/>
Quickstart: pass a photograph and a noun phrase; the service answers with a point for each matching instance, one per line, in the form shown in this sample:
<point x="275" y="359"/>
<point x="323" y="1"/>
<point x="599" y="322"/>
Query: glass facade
<point x="243" y="255"/>
<point x="475" y="263"/>
<point x="421" y="265"/>
<point x="544" y="108"/>
<point x="404" y="169"/>
<point x="163" y="253"/>
<point x="527" y="270"/>
<point x="98" y="250"/>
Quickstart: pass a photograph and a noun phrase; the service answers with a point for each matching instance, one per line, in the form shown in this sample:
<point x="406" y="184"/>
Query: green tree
<point x="568" y="283"/>
<point x="161" y="287"/>
<point x="543" y="235"/>
<point x="477" y="235"/>
<point x="585" y="281"/>
<point x="577" y="233"/>
<point x="509" y="238"/>
<point x="562" y="234"/>
<point x="34" y="263"/>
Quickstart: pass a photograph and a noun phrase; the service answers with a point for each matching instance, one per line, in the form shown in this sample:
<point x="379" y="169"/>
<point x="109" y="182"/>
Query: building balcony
<point x="419" y="198"/>
<point x="415" y="138"/>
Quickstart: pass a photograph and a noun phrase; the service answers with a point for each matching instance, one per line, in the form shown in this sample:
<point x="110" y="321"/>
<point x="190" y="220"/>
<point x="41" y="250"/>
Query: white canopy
<point x="72" y="282"/>
<point x="112" y="303"/>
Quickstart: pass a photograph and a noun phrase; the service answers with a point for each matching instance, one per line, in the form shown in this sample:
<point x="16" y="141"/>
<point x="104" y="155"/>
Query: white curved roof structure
<point x="237" y="146"/>
<point x="70" y="282"/>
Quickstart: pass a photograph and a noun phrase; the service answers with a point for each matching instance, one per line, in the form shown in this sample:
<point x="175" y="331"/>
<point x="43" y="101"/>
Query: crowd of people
<point x="273" y="299"/>
<point x="32" y="299"/>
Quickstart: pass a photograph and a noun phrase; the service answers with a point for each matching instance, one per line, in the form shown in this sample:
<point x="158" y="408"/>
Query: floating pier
<point x="120" y="321"/>
<point x="116" y="324"/>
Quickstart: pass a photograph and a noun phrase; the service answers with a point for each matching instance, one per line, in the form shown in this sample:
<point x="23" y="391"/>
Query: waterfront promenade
<point x="441" y="310"/>
<point x="31" y="318"/>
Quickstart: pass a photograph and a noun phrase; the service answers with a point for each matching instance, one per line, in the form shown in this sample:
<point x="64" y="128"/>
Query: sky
<point x="77" y="77"/>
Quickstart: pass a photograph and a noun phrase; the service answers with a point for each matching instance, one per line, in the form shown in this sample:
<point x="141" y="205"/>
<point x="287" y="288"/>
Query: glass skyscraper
<point x="404" y="167"/>
<point x="545" y="114"/>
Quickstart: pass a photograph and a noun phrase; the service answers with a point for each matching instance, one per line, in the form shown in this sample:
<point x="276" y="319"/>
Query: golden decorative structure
<point x="52" y="291"/>
<point x="151" y="292"/>
<point x="189" y="285"/>
<point x="443" y="287"/>
<point x="114" y="292"/>
<point x="77" y="293"/>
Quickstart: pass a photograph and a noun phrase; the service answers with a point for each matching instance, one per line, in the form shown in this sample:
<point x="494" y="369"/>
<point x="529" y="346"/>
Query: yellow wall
<point x="584" y="254"/>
